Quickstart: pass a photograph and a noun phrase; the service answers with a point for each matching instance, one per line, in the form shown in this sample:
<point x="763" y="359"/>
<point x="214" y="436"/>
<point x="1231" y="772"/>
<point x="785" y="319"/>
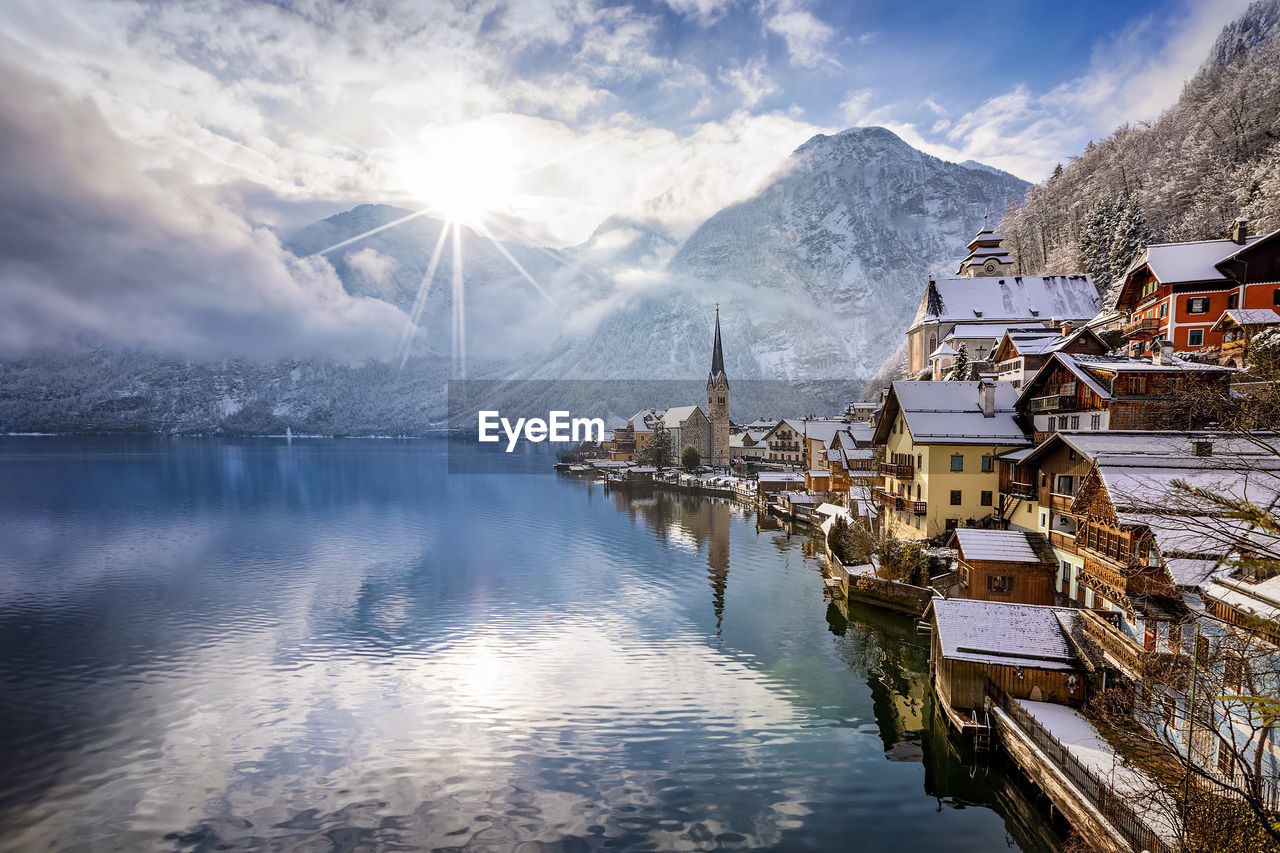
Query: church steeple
<point x="986" y="256"/>
<point x="717" y="354"/>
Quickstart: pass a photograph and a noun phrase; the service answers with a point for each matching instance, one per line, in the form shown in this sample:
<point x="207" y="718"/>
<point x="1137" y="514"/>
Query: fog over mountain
<point x="817" y="276"/>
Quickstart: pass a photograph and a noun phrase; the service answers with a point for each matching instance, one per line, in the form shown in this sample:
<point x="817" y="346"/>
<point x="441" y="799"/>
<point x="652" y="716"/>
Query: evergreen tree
<point x="690" y="458"/>
<point x="1057" y="172"/>
<point x="960" y="367"/>
<point x="659" y="451"/>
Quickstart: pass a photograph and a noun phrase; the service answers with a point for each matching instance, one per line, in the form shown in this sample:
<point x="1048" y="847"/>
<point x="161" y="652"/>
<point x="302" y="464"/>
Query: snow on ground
<point x="1084" y="743"/>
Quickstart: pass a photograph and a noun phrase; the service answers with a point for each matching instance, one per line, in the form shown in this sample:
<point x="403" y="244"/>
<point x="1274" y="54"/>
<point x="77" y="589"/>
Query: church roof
<point x="1016" y="298"/>
<point x="717" y="354"/>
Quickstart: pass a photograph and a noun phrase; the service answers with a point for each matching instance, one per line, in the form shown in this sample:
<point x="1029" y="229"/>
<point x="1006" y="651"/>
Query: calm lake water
<point x="334" y="645"/>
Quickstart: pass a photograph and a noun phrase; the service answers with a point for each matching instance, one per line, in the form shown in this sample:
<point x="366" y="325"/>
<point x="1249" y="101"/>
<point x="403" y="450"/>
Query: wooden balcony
<point x="1026" y="491"/>
<point x="917" y="507"/>
<point x="1053" y="403"/>
<point x="1065" y="541"/>
<point x="1061" y="502"/>
<point x="1105" y="572"/>
<point x="1145" y="326"/>
<point x="901" y="470"/>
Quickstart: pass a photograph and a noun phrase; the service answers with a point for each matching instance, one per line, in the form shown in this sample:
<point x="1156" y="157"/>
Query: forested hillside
<point x="1211" y="157"/>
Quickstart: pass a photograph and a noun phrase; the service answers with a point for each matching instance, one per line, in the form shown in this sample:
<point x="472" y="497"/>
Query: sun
<point x="464" y="172"/>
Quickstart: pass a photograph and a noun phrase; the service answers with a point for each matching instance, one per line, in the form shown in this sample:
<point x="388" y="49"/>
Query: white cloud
<point x="750" y="81"/>
<point x="1132" y="77"/>
<point x="705" y="12"/>
<point x="808" y="38"/>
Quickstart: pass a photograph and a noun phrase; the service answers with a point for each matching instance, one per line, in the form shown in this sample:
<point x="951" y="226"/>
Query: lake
<point x="336" y="645"/>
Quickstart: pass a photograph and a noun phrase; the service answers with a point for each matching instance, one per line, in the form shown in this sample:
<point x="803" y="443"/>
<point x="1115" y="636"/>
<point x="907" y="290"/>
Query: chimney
<point x="987" y="399"/>
<point x="1240" y="230"/>
<point x="1202" y="446"/>
<point x="1163" y="355"/>
<point x="1066" y="328"/>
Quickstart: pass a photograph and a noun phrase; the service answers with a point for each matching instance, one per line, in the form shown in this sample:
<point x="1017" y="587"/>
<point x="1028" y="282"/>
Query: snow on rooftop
<point x="950" y="413"/>
<point x="1250" y="317"/>
<point x="1005" y="546"/>
<point x="1194" y="261"/>
<point x="994" y="632"/>
<point x="1013" y="298"/>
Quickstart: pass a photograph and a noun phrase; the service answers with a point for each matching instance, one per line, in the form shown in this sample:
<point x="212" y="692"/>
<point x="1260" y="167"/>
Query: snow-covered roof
<point x="993" y="331"/>
<point x="1013" y="298"/>
<point x="950" y="413"/>
<point x="994" y="632"/>
<point x="1190" y="571"/>
<point x="944" y="349"/>
<point x="819" y="472"/>
<point x="1260" y="599"/>
<point x="1249" y="317"/>
<point x="1114" y="445"/>
<point x="1005" y="546"/>
<point x="677" y="415"/>
<point x="1193" y="261"/>
<point x="823" y="430"/>
<point x="779" y="477"/>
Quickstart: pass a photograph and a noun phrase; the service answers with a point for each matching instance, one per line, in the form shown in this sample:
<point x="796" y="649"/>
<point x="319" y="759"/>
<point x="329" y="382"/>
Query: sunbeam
<point x="420" y="298"/>
<point x="459" y="309"/>
<point x="484" y="232"/>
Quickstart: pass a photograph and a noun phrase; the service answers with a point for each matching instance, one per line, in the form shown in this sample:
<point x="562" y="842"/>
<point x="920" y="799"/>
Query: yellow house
<point x="940" y="441"/>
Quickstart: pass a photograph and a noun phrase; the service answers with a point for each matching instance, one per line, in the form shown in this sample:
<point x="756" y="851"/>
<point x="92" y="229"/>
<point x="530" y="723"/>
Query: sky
<point x="153" y="152"/>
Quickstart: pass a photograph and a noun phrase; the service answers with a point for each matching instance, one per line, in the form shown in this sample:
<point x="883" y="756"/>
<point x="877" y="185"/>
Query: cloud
<point x="807" y="37"/>
<point x="1133" y="76"/>
<point x="95" y="245"/>
<point x="750" y="81"/>
<point x="705" y="12"/>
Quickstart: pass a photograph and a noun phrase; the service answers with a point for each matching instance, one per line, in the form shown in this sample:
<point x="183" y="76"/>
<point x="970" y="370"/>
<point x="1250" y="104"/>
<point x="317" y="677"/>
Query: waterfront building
<point x="1015" y="566"/>
<point x="940" y="441"/>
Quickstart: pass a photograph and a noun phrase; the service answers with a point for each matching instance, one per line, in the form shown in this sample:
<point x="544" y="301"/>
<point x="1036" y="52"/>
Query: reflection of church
<point x="695" y="520"/>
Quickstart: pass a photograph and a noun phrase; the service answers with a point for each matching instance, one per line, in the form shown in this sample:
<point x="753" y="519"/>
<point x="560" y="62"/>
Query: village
<point x="1075" y="496"/>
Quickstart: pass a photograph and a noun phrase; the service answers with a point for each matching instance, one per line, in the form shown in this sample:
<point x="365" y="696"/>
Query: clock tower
<point x="986" y="257"/>
<point x="718" y="403"/>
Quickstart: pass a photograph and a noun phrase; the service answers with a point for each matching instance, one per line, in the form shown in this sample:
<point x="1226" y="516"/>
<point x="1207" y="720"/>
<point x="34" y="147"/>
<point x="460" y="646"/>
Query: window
<point x="957" y="462"/>
<point x="1164" y="310"/>
<point x="986" y="498"/>
<point x="1198" y="305"/>
<point x="955" y="497"/>
<point x="1233" y="301"/>
<point x="988" y="464"/>
<point x="1195" y="337"/>
<point x="1095" y="422"/>
<point x="1075" y="422"/>
<point x="999" y="583"/>
<point x="1275" y="296"/>
<point x="1065" y="485"/>
<point x="1233" y="671"/>
<point x="1044" y="519"/>
<point x="919" y="461"/>
<point x="964" y="575"/>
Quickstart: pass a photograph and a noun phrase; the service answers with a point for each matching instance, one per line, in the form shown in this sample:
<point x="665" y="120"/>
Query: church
<point x="985" y="298"/>
<point x="688" y="426"/>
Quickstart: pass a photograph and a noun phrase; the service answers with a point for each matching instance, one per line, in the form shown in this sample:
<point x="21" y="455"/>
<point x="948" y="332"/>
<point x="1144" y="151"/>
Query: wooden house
<point x="1095" y="392"/>
<point x="1004" y="565"/>
<point x="1022" y="351"/>
<point x="1021" y="648"/>
<point x="1176" y="292"/>
<point x="1237" y="327"/>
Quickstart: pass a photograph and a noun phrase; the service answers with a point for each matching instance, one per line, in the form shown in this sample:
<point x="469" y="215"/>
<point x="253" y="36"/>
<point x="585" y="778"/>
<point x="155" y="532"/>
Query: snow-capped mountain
<point x="817" y="276"/>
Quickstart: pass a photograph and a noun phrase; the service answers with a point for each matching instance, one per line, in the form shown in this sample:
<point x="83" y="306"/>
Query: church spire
<point x="717" y="355"/>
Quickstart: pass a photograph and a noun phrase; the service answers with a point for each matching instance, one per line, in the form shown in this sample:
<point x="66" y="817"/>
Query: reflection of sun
<point x="464" y="172"/>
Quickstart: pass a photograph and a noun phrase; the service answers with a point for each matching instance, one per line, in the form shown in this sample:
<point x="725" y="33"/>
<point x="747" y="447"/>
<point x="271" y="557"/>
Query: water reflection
<point x="335" y="645"/>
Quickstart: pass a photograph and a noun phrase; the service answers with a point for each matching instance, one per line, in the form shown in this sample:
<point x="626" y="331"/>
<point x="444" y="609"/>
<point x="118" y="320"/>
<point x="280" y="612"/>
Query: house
<point x="940" y="441"/>
<point x="1004" y="565"/>
<point x="1237" y="326"/>
<point x="785" y="440"/>
<point x="1097" y="392"/>
<point x="1022" y="648"/>
<point x="770" y="482"/>
<point x="986" y="294"/>
<point x="818" y="434"/>
<point x="747" y="444"/>
<point x="1040" y="489"/>
<point x="689" y="427"/>
<point x="1023" y="351"/>
<point x="851" y="459"/>
<point x="1177" y="292"/>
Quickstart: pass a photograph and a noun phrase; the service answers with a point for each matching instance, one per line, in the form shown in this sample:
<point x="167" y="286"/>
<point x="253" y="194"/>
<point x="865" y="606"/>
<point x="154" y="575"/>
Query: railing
<point x="1022" y="490"/>
<point x="1113" y="641"/>
<point x="1112" y="805"/>
<point x="1060" y="401"/>
<point x="1100" y="570"/>
<point x="917" y="507"/>
<point x="1062" y="539"/>
<point x="1142" y="327"/>
<point x="1060" y="502"/>
<point x="901" y="470"/>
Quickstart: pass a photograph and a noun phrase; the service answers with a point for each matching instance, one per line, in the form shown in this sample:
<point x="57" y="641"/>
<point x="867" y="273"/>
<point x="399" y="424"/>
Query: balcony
<point x="1058" y="399"/>
<point x="901" y="470"/>
<point x="916" y="507"/>
<point x="1062" y="539"/>
<point x="1145" y="326"/>
<point x="1101" y="571"/>
<point x="1061" y="502"/>
<point x="1027" y="491"/>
